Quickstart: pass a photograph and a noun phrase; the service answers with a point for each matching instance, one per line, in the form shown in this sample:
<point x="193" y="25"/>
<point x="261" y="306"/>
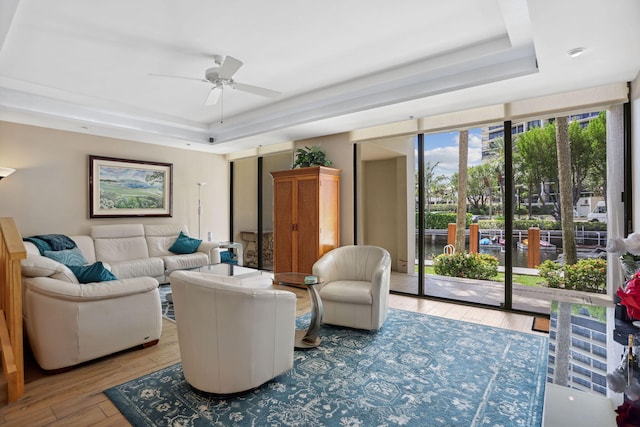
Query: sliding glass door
<point x="457" y="176"/>
<point x="525" y="246"/>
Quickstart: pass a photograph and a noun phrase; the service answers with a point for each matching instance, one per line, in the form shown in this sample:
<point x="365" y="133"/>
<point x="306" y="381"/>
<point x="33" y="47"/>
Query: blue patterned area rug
<point x="418" y="370"/>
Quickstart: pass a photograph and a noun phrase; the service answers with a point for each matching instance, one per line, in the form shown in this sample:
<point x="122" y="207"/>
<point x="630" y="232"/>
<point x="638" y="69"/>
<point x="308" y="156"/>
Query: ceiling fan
<point x="221" y="76"/>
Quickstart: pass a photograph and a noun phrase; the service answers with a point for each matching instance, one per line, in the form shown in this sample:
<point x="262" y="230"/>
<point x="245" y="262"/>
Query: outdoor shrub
<point x="470" y="266"/>
<point x="491" y="224"/>
<point x="552" y="273"/>
<point x="586" y="275"/>
<point x="440" y="220"/>
<point x="525" y="224"/>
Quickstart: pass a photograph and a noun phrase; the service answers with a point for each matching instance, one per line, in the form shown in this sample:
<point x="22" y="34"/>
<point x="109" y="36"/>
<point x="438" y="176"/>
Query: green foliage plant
<point x="588" y="275"/>
<point x="470" y="266"/>
<point x="310" y="156"/>
<point x="525" y="224"/>
<point x="441" y="220"/>
<point x="552" y="273"/>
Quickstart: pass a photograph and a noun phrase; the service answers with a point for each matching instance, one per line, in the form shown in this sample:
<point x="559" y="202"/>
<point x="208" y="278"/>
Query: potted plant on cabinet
<point x="310" y="156"/>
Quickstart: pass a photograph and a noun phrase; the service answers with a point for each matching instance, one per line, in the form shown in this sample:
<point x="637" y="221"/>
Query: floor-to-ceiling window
<point x="513" y="201"/>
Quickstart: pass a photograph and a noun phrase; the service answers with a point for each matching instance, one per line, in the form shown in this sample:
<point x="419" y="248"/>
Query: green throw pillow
<point x="92" y="273"/>
<point x="67" y="256"/>
<point x="185" y="244"/>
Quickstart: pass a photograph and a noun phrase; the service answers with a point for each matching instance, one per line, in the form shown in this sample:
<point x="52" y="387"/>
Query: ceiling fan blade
<point x="214" y="95"/>
<point x="257" y="90"/>
<point x="171" y="76"/>
<point x="229" y="67"/>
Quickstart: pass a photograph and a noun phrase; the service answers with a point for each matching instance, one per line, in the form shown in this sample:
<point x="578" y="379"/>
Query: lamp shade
<point x="5" y="172"/>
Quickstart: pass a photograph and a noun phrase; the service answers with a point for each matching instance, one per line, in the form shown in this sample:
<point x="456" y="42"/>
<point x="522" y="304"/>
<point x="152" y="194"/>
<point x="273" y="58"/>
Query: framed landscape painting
<point x="129" y="188"/>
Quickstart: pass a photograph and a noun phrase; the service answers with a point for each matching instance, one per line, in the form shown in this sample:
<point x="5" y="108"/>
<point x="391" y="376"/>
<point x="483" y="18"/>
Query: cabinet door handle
<point x="294" y="227"/>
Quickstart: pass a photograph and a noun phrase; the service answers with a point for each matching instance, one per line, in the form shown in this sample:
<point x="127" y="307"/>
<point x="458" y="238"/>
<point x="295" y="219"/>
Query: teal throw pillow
<point x="185" y="244"/>
<point x="227" y="258"/>
<point x="40" y="244"/>
<point x="95" y="272"/>
<point x="67" y="257"/>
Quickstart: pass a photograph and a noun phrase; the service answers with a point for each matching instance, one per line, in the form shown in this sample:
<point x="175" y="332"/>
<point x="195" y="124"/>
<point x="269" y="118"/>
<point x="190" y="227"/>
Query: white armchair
<point x="355" y="292"/>
<point x="232" y="338"/>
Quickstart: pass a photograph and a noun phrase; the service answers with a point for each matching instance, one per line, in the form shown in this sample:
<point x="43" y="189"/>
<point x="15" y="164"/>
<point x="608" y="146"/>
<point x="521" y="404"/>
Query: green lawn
<point x="521" y="279"/>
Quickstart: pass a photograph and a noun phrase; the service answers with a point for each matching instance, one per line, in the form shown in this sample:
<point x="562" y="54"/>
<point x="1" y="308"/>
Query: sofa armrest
<point x="90" y="291"/>
<point x="209" y="248"/>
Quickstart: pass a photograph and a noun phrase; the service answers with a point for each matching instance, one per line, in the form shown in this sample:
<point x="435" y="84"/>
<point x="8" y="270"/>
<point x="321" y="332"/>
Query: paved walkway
<point x="526" y="298"/>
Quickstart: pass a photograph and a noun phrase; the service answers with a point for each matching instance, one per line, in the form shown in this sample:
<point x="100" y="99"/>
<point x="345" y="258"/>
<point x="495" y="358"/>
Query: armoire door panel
<point x="283" y="194"/>
<point x="307" y="224"/>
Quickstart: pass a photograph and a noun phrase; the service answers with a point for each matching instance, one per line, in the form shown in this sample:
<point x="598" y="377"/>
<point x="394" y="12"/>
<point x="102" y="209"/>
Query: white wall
<point x="48" y="193"/>
<point x="398" y="154"/>
<point x="245" y="196"/>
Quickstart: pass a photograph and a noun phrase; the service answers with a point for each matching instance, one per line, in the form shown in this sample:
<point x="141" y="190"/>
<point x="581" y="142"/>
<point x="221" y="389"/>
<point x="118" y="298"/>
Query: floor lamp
<point x="200" y="184"/>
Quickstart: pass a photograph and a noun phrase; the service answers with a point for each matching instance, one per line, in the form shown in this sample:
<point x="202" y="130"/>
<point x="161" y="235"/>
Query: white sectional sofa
<point x="68" y="322"/>
<point x="134" y="250"/>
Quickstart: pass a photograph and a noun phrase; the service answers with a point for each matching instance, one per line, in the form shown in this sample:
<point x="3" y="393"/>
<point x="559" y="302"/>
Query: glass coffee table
<point x="224" y="270"/>
<point x="308" y="338"/>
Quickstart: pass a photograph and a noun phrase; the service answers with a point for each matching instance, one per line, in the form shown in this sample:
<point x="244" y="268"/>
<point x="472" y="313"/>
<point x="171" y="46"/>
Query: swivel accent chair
<point x="355" y="292"/>
<point x="232" y="338"/>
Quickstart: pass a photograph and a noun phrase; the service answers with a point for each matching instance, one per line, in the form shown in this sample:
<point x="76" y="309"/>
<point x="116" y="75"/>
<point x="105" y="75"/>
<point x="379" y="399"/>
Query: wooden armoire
<point x="306" y="217"/>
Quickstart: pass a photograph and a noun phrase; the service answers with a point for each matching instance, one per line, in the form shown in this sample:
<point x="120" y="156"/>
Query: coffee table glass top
<point x="295" y="279"/>
<point x="223" y="269"/>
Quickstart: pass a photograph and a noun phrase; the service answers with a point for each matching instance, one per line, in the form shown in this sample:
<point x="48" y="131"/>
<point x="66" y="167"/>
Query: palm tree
<point x="461" y="213"/>
<point x="497" y="164"/>
<point x="565" y="189"/>
<point x="430" y="179"/>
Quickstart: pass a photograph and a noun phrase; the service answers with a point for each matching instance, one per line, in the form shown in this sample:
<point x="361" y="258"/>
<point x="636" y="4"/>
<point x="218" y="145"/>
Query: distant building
<point x="494" y="133"/>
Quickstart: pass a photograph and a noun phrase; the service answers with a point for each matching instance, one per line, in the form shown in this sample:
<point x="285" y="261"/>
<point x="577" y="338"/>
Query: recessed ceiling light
<point x="577" y="51"/>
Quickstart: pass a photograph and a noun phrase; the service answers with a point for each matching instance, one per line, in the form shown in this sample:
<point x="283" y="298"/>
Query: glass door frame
<point x="507" y="303"/>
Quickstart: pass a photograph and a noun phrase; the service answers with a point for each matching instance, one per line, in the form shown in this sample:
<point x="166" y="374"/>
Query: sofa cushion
<point x="95" y="272"/>
<point x="152" y="267"/>
<point x="67" y="257"/>
<point x="161" y="236"/>
<point x="85" y="244"/>
<point x="39" y="266"/>
<point x="119" y="242"/>
<point x="98" y="291"/>
<point x="185" y="244"/>
<point x="121" y="249"/>
<point x="347" y="291"/>
<point x="186" y="261"/>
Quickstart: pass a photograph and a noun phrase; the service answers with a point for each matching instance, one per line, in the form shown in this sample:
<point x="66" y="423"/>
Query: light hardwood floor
<point x="75" y="398"/>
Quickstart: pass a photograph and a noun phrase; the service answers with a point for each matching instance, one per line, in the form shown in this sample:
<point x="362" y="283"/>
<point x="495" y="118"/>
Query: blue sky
<point x="443" y="148"/>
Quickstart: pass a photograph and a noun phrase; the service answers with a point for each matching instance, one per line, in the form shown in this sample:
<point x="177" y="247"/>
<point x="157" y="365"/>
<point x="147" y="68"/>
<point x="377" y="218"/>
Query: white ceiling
<point x="85" y="65"/>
